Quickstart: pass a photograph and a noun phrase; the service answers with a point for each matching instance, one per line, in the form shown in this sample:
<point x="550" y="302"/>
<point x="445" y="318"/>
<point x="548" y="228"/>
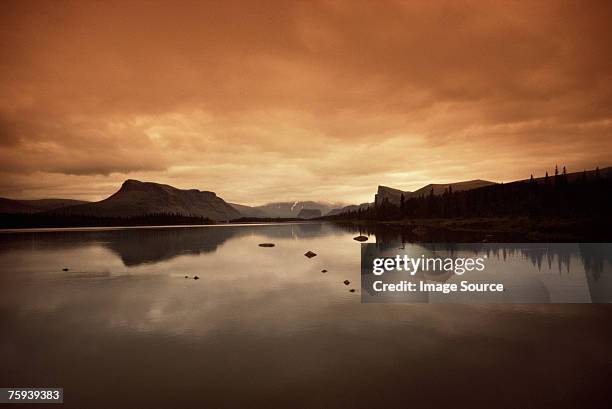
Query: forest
<point x="587" y="196"/>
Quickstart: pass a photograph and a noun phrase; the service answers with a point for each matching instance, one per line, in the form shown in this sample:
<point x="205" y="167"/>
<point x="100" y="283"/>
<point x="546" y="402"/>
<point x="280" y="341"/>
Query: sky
<point x="263" y="101"/>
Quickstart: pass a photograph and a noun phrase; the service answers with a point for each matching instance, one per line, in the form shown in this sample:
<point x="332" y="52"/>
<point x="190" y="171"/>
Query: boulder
<point x="361" y="238"/>
<point x="310" y="254"/>
<point x="346" y="282"/>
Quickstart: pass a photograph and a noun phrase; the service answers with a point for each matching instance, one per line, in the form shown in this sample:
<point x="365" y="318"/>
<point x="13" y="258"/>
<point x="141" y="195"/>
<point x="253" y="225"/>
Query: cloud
<point x="284" y="100"/>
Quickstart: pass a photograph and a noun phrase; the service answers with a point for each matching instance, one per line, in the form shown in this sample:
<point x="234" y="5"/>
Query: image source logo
<point x="487" y="273"/>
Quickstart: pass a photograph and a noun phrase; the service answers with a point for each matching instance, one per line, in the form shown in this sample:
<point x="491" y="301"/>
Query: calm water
<point x="263" y="327"/>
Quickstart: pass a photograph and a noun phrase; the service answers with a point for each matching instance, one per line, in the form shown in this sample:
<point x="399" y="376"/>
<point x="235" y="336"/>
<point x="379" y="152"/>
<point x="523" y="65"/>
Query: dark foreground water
<point x="263" y="327"/>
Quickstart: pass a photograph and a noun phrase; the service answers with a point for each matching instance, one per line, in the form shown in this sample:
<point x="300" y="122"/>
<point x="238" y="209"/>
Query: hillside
<point x="309" y="213"/>
<point x="349" y="208"/>
<point x="136" y="198"/>
<point x="394" y="195"/>
<point x="35" y="206"/>
<point x="575" y="196"/>
<point x="249" y="211"/>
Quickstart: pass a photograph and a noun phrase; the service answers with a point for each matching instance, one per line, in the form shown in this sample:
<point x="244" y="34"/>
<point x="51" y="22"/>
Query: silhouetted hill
<point x="439" y="188"/>
<point x="35" y="206"/>
<point x="136" y="198"/>
<point x="394" y="195"/>
<point x="577" y="176"/>
<point x="579" y="195"/>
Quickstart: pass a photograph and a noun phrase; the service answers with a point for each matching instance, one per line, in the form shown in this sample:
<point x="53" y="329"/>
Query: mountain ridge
<point x="136" y="198"/>
<point x="13" y="206"/>
<point x="393" y="195"/>
<point x="289" y="209"/>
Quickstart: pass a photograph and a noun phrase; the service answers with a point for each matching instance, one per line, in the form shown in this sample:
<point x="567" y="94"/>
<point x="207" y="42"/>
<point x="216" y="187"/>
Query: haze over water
<point x="264" y="327"/>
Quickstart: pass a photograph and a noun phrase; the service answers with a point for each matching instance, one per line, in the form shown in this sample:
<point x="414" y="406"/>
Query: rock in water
<point x="266" y="244"/>
<point x="360" y="238"/>
<point x="346" y="282"/>
<point x="310" y="254"/>
<point x="352" y="290"/>
<point x="324" y="271"/>
<point x="186" y="276"/>
<point x="64" y="269"/>
<point x="196" y="277"/>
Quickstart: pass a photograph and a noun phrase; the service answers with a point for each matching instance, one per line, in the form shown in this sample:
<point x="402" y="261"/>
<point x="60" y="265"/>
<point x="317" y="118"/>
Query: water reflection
<point x="263" y="327"/>
<point x="529" y="272"/>
<point x="151" y="245"/>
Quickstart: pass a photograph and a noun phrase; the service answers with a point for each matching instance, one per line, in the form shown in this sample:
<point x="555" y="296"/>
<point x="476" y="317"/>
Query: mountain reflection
<point x="152" y="245"/>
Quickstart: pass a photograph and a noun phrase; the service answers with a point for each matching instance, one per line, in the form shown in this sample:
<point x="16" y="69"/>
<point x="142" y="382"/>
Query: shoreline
<point x="490" y="228"/>
<point x="110" y="228"/>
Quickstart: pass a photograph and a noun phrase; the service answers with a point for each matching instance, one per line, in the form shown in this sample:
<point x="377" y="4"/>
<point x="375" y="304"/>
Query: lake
<point x="264" y="327"/>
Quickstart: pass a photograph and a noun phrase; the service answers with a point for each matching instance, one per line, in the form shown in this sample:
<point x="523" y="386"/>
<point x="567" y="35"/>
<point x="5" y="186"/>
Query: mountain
<point x="35" y="206"/>
<point x="394" y="195"/>
<point x="136" y="198"/>
<point x="292" y="209"/>
<point x="249" y="211"/>
<point x="309" y="213"/>
<point x="349" y="208"/>
<point x="389" y="193"/>
<point x="457" y="187"/>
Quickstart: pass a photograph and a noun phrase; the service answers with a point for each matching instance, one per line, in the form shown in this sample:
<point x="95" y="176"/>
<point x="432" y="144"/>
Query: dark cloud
<point x="195" y="92"/>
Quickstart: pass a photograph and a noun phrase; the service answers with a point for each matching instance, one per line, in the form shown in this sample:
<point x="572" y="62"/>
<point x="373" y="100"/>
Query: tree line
<point x="585" y="195"/>
<point x="51" y="220"/>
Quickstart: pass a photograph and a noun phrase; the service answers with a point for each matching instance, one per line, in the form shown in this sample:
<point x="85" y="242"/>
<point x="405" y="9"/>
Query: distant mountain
<point x="292" y="209"/>
<point x="346" y="209"/>
<point x="394" y="195"/>
<point x="35" y="206"/>
<point x="249" y="211"/>
<point x="309" y="213"/>
<point x="136" y="198"/>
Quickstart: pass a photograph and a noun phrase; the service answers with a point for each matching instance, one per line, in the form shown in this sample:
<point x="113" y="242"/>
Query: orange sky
<point x="264" y="101"/>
